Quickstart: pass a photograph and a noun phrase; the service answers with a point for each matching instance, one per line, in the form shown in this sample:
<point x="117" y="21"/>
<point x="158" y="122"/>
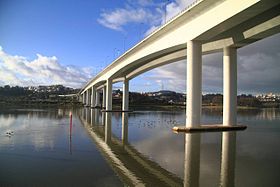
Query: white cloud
<point x="143" y="2"/>
<point x="18" y="70"/>
<point x="172" y="8"/>
<point x="142" y="11"/>
<point x="120" y="17"/>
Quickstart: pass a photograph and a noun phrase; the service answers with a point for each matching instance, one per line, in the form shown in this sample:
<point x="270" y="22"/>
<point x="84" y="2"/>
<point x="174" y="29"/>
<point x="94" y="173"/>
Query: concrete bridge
<point x="207" y="26"/>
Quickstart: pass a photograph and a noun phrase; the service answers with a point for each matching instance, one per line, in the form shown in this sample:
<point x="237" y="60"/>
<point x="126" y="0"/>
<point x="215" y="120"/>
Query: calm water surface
<point x="139" y="148"/>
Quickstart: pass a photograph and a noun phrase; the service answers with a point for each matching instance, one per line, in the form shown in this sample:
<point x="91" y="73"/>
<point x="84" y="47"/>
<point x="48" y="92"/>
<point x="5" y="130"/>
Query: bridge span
<point x="207" y="26"/>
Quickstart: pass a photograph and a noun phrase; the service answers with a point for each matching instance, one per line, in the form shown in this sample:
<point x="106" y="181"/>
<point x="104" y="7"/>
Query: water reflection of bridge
<point x="137" y="170"/>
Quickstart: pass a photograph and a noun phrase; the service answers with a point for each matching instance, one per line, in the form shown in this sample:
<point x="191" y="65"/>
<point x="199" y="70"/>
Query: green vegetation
<point x="41" y="95"/>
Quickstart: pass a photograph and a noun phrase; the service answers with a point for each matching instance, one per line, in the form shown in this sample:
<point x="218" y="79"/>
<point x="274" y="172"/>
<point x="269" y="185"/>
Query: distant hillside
<point x="60" y="95"/>
<point x="37" y="95"/>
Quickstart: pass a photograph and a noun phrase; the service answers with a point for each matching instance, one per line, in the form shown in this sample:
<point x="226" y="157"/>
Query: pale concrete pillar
<point x="124" y="128"/>
<point x="87" y="100"/>
<point x="125" y="99"/>
<point x="89" y="97"/>
<point x="97" y="98"/>
<point x="230" y="86"/>
<point x="84" y="98"/>
<point x="109" y="95"/>
<point x="228" y="159"/>
<point x="104" y="97"/>
<point x="192" y="160"/>
<point x="93" y="96"/>
<point x="194" y="76"/>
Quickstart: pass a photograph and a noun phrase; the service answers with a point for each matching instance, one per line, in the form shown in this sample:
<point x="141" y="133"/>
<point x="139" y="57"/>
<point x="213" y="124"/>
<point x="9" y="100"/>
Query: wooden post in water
<point x="70" y="135"/>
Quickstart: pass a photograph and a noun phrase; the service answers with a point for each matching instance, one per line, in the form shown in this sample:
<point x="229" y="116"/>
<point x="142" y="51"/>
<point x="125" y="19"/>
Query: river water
<point x="46" y="148"/>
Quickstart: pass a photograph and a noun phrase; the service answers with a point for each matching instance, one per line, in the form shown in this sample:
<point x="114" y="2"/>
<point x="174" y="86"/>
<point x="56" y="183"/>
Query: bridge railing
<point x="187" y="8"/>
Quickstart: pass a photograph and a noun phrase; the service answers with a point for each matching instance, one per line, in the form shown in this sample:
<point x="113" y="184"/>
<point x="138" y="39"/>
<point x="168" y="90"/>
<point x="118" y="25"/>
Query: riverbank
<point x="117" y="106"/>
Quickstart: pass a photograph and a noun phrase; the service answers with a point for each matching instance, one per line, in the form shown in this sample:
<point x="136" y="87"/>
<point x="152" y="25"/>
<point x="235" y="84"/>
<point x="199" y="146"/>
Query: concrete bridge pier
<point x="93" y="96"/>
<point x="84" y="98"/>
<point x="97" y="102"/>
<point x="194" y="76"/>
<point x="90" y="99"/>
<point x="87" y="98"/>
<point x="109" y="94"/>
<point x="230" y="86"/>
<point x="125" y="97"/>
<point x="104" y="97"/>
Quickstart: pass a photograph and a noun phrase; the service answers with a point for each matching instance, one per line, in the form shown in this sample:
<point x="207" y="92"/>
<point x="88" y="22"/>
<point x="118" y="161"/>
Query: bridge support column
<point x="109" y="95"/>
<point x="97" y="99"/>
<point x="125" y="97"/>
<point x="194" y="76"/>
<point x="104" y="97"/>
<point x="230" y="86"/>
<point x="90" y="99"/>
<point x="84" y="98"/>
<point x="87" y="99"/>
<point x="93" y="96"/>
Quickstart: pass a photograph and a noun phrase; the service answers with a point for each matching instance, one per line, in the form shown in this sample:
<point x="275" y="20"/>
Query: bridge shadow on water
<point x="136" y="169"/>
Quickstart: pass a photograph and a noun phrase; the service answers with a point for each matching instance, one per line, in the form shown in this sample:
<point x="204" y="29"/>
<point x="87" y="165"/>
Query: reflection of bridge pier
<point x="94" y="116"/>
<point x="92" y="121"/>
<point x="125" y="128"/>
<point x="135" y="168"/>
<point x="108" y="127"/>
<point x="228" y="159"/>
<point x="192" y="160"/>
<point x="103" y="116"/>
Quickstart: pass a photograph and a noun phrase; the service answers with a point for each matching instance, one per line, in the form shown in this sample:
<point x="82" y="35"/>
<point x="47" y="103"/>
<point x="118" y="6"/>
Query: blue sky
<point x="69" y="41"/>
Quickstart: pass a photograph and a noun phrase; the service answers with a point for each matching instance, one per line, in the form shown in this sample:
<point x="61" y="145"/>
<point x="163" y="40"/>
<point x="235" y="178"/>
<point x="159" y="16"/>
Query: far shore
<point x="118" y="106"/>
